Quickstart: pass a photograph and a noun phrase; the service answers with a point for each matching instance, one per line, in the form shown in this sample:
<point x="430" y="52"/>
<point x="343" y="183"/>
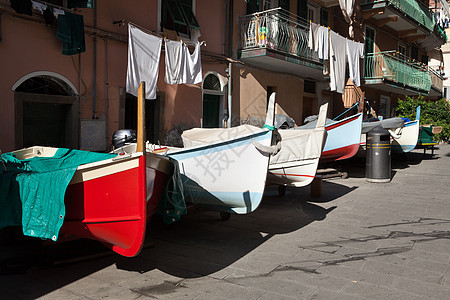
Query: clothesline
<point x="338" y="51"/>
<point x="123" y="22"/>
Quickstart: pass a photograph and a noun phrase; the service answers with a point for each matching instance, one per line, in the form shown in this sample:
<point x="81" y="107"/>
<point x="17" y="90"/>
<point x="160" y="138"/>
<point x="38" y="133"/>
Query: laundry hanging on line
<point x="338" y="50"/>
<point x="181" y="65"/>
<point x="71" y="31"/>
<point x="355" y="51"/>
<point x="144" y="52"/>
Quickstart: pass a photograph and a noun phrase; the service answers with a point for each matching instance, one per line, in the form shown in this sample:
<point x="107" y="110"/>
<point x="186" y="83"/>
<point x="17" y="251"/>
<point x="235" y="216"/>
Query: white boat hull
<point x="228" y="176"/>
<point x="296" y="162"/>
<point x="408" y="138"/>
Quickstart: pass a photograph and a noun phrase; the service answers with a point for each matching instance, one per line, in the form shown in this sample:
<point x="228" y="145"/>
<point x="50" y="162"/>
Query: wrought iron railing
<point x="397" y="69"/>
<point x="412" y="8"/>
<point x="437" y="80"/>
<point x="279" y="30"/>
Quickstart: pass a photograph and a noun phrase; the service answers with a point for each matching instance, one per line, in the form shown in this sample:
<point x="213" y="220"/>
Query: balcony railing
<point x="437" y="80"/>
<point x="390" y="66"/>
<point x="278" y="30"/>
<point x="411" y="8"/>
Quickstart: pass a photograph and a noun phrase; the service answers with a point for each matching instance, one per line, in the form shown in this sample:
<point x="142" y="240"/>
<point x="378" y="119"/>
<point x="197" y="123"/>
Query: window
<point x="177" y="15"/>
<point x="323" y="17"/>
<point x="402" y="50"/>
<point x="415" y="53"/>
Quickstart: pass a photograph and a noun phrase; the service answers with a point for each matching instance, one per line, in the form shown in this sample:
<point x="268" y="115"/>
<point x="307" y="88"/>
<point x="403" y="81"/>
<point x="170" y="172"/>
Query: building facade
<point x="251" y="49"/>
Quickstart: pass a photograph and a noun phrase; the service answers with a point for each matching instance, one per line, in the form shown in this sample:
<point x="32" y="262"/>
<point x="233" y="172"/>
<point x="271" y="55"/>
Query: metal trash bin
<point x="378" y="155"/>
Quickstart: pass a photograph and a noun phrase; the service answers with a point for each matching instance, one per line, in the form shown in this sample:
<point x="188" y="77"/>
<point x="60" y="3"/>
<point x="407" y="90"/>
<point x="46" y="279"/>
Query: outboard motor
<point x="122" y="137"/>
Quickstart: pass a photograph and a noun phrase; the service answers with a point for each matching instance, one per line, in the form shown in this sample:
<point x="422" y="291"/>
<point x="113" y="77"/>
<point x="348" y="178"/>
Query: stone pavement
<point x="359" y="240"/>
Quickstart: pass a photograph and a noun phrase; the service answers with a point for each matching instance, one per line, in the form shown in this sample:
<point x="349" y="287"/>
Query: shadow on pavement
<point x="199" y="245"/>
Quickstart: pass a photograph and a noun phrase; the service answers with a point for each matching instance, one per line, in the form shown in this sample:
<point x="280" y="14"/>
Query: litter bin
<point x="378" y="155"/>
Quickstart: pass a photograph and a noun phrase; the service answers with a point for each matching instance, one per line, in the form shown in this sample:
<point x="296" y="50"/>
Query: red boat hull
<point x="340" y="153"/>
<point x="114" y="207"/>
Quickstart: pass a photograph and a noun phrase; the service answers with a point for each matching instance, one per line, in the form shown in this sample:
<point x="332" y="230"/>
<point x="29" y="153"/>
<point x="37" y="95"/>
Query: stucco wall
<point x="250" y="93"/>
<point x="28" y="46"/>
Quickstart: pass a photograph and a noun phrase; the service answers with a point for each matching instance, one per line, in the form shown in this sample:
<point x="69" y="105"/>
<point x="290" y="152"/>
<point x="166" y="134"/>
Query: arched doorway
<point x="46" y="111"/>
<point x="213" y="101"/>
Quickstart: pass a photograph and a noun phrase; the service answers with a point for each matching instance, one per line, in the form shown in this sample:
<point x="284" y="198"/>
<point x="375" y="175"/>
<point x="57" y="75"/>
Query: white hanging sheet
<point x="144" y="52"/>
<point x="337" y="62"/>
<point x="355" y="51"/>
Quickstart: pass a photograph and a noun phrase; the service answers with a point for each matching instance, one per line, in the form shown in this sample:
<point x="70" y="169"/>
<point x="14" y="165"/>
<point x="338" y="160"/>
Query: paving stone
<point x="358" y="275"/>
<point x="421" y="288"/>
<point x="371" y="291"/>
<point x="323" y="293"/>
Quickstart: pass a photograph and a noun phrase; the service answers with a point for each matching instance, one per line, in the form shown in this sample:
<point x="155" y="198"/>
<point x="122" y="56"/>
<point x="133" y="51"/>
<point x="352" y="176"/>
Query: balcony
<point x="437" y="83"/>
<point x="390" y="71"/>
<point x="410" y="20"/>
<point x="277" y="41"/>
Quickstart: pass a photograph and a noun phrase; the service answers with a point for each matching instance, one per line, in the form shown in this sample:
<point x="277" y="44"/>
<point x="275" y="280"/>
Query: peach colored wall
<point x="28" y="46"/>
<point x="250" y="93"/>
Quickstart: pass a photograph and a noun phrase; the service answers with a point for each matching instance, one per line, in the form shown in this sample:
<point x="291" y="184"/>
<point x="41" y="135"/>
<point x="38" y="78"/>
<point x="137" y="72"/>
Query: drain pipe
<point x="94" y="92"/>
<point x="230" y="53"/>
<point x="107" y="93"/>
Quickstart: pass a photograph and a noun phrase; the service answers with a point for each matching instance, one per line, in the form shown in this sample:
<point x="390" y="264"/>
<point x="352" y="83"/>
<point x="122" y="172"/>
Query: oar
<point x="141" y="138"/>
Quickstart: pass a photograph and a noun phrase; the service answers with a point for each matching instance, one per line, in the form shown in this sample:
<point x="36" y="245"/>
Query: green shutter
<point x="189" y="15"/>
<point x="175" y="12"/>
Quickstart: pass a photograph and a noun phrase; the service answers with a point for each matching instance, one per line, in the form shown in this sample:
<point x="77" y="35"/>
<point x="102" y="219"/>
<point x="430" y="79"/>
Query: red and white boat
<point x="343" y="137"/>
<point x="111" y="200"/>
<point x="107" y="200"/>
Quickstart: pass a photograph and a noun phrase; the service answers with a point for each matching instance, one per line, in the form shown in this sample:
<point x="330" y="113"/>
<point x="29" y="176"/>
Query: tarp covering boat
<point x="32" y="190"/>
<point x="296" y="162"/>
<point x="391" y="123"/>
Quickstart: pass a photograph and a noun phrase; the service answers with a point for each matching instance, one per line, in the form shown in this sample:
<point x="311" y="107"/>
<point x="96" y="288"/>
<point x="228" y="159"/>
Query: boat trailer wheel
<point x="225" y="215"/>
<point x="281" y="190"/>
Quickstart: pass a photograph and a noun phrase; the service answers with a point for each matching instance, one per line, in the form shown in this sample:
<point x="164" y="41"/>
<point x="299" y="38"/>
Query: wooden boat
<point x="393" y="125"/>
<point x="225" y="169"/>
<point x="343" y="138"/>
<point x="296" y="162"/>
<point x="111" y="200"/>
<point x="408" y="136"/>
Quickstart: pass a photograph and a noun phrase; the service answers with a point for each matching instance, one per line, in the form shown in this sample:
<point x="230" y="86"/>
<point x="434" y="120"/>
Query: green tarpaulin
<point x="32" y="190"/>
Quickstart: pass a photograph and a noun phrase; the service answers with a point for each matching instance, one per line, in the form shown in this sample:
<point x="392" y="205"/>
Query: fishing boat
<point x="225" y="169"/>
<point x="343" y="137"/>
<point x="407" y="139"/>
<point x="393" y="125"/>
<point x="108" y="197"/>
<point x="404" y="135"/>
<point x="296" y="162"/>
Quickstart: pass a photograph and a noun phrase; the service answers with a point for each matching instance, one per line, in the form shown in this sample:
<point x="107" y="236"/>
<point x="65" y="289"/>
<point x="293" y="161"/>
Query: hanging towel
<point x="40" y="7"/>
<point x="194" y="65"/>
<point x="322" y="37"/>
<point x="22" y="6"/>
<point x="347" y="9"/>
<point x="71" y="32"/>
<point x="355" y="51"/>
<point x="144" y="52"/>
<point x="181" y="65"/>
<point x="175" y="62"/>
<point x="313" y="41"/>
<point x="337" y="62"/>
<point x="57" y="12"/>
